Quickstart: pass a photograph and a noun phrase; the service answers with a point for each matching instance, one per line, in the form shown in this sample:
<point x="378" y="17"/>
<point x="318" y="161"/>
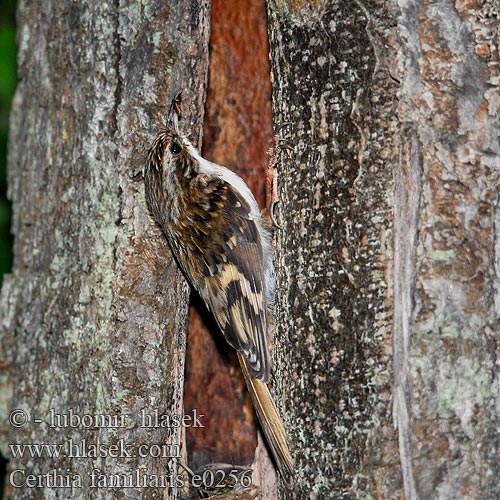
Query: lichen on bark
<point x="94" y="313"/>
<point x="334" y="253"/>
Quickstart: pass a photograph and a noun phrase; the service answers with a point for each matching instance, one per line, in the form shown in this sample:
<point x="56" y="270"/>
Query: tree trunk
<point x="446" y="399"/>
<point x="94" y="313"/>
<point x="388" y="260"/>
<point x="388" y="267"/>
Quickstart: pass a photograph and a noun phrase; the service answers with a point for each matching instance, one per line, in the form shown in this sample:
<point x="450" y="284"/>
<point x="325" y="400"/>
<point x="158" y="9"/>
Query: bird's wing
<point x="224" y="262"/>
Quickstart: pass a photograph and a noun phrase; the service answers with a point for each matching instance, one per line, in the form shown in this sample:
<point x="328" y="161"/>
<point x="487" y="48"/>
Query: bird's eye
<point x="175" y="148"/>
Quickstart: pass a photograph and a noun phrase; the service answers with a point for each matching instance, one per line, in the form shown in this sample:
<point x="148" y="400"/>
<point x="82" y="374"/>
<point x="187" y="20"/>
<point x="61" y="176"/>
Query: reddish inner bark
<point x="237" y="133"/>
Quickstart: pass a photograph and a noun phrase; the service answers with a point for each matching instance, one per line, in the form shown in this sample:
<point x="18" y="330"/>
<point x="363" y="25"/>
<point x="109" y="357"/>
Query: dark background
<point x="8" y="80"/>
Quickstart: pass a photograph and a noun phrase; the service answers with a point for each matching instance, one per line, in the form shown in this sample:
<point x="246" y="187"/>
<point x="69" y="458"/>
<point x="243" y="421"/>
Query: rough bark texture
<point x="334" y="253"/>
<point x="94" y="313"/>
<point x="447" y="273"/>
<point x="390" y="242"/>
<point x="388" y="260"/>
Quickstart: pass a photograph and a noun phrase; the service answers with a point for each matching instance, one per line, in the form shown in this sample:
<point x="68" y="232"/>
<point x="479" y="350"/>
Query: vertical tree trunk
<point x="94" y="313"/>
<point x="334" y="251"/>
<point x="447" y="274"/>
<point x="388" y="267"/>
<point x="389" y="245"/>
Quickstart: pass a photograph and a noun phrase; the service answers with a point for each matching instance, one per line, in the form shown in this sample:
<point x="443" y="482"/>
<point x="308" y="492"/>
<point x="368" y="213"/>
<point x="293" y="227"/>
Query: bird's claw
<point x="272" y="176"/>
<point x="271" y="215"/>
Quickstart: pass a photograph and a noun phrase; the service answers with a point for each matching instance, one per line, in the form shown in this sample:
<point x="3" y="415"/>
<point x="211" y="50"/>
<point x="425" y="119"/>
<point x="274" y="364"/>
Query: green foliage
<point x="8" y="51"/>
<point x="8" y="82"/>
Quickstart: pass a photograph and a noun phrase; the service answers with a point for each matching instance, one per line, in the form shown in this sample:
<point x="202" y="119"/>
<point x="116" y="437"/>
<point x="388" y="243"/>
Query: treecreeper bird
<point x="223" y="245"/>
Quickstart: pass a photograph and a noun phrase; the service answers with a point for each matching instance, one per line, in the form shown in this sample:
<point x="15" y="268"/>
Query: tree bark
<point x="94" y="313"/>
<point x="386" y="347"/>
<point x="446" y="397"/>
<point x="334" y="251"/>
<point x="388" y="260"/>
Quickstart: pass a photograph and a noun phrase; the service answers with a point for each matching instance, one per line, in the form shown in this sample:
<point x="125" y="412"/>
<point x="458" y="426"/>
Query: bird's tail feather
<point x="270" y="422"/>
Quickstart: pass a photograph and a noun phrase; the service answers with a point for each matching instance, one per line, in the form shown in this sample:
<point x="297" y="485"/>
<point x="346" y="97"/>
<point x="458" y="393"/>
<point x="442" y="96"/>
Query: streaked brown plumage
<point x="222" y="244"/>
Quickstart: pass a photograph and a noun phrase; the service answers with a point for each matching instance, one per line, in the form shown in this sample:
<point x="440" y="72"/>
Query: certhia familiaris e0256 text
<point x="221" y="241"/>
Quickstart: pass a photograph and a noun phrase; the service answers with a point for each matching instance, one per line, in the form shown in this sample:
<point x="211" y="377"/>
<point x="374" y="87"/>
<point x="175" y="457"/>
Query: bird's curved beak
<point x="175" y="112"/>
